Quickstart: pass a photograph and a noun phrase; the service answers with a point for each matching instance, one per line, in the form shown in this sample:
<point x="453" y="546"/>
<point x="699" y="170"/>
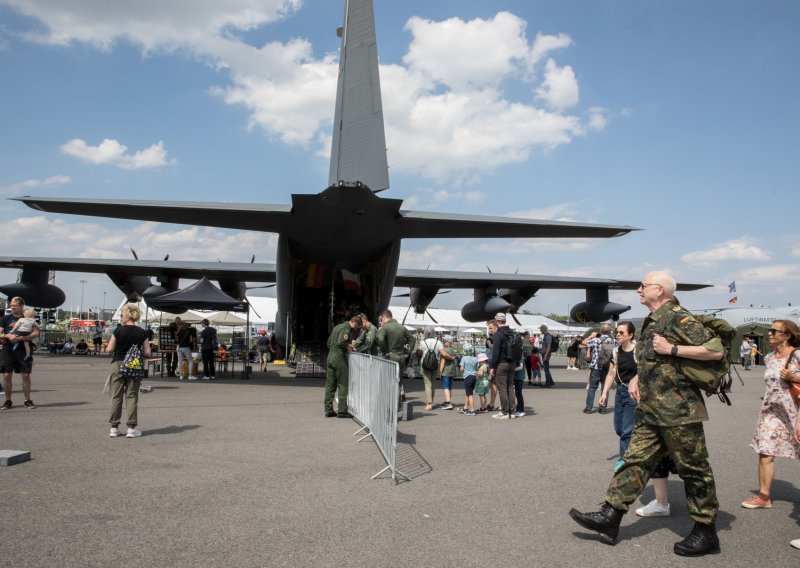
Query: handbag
<point x="794" y="388"/>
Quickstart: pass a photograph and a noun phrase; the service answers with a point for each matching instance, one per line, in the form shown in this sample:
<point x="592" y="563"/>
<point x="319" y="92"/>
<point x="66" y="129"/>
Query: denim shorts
<point x="447" y="383"/>
<point x="469" y="384"/>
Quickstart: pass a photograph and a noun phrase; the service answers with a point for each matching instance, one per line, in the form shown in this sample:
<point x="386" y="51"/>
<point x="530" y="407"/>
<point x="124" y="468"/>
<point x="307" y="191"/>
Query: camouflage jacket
<point x="392" y="338"/>
<point x="667" y="398"/>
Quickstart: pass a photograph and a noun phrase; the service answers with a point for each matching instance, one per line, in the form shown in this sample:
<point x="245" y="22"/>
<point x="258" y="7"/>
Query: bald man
<point x="669" y="420"/>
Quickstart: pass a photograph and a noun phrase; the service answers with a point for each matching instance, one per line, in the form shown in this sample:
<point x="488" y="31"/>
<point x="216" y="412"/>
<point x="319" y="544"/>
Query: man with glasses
<point x="13" y="360"/>
<point x="669" y="420"/>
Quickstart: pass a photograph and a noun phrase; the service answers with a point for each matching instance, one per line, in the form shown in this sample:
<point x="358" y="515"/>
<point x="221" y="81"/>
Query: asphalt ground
<point x="250" y="473"/>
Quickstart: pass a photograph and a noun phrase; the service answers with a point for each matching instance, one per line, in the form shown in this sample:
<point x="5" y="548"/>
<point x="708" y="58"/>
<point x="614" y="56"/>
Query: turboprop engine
<point x="485" y="305"/>
<point x="33" y="287"/>
<point x="597" y="308"/>
<point x="132" y="286"/>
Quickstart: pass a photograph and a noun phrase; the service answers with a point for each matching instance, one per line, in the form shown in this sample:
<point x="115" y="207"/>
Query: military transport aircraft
<point x="342" y="244"/>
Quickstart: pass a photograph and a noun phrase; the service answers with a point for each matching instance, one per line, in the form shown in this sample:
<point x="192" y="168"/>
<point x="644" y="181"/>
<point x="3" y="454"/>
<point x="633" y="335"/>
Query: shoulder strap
<point x="790" y="357"/>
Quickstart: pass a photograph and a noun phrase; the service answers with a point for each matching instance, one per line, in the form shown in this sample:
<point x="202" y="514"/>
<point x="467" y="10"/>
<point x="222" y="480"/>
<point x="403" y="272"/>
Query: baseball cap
<point x="500" y="316"/>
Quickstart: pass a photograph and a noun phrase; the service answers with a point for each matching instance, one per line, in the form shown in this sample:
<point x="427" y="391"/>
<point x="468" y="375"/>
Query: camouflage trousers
<point x="687" y="446"/>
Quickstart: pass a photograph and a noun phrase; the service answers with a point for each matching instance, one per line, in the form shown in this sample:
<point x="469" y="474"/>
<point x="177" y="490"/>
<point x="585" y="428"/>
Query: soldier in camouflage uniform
<point x="337" y="375"/>
<point x="669" y="420"/>
<point x="367" y="339"/>
<point x="392" y="339"/>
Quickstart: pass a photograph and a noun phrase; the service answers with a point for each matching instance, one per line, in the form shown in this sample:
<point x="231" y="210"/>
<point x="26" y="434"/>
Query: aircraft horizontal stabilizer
<point x="425" y="225"/>
<point x="245" y="216"/>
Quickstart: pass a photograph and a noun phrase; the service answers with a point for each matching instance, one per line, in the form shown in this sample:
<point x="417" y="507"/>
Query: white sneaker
<point x="114" y="433"/>
<point x="501" y="416"/>
<point x="206" y="378"/>
<point x="795" y="543"/>
<point x="133" y="433"/>
<point x="653" y="509"/>
<point x="192" y="378"/>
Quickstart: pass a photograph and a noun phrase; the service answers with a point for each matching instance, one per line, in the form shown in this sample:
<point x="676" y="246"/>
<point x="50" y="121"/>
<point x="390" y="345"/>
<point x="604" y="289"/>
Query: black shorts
<point x="11" y="361"/>
<point x="469" y="384"/>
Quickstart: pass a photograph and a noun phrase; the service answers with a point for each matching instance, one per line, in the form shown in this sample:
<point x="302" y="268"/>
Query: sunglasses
<point x="773" y="331"/>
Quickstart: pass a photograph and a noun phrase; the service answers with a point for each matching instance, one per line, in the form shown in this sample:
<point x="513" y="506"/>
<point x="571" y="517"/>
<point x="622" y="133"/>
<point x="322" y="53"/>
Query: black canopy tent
<point x="203" y="295"/>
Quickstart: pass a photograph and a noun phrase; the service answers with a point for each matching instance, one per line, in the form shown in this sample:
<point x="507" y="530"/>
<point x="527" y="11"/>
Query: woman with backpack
<point x="124" y="383"/>
<point x="429" y="359"/>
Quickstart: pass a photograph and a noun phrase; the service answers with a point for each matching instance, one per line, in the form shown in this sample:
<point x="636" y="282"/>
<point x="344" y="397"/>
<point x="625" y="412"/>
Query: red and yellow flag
<point x="316" y="274"/>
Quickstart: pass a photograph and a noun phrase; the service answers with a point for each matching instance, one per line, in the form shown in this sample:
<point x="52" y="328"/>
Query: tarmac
<point x="250" y="473"/>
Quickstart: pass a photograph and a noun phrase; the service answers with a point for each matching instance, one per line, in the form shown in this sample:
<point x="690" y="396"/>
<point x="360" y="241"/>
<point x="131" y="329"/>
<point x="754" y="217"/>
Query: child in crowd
<point x="482" y="385"/>
<point x="469" y="370"/>
<point x="536" y="367"/>
<point x="447" y="368"/>
<point x="22" y="328"/>
<point x="519" y="383"/>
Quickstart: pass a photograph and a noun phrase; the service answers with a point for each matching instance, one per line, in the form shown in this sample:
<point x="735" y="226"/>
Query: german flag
<point x="316" y="274"/>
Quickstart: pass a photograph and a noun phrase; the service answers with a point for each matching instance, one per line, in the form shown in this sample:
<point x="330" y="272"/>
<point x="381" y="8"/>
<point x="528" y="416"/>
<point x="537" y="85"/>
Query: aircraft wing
<point x="246" y="216"/>
<point x="455" y="279"/>
<point x="425" y="225"/>
<point x="244" y="271"/>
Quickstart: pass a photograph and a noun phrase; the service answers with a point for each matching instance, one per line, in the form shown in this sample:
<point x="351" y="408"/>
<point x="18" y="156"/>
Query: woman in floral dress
<point x="777" y="429"/>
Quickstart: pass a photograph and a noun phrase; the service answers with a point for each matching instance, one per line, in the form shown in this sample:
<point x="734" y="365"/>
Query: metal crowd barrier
<point x="372" y="399"/>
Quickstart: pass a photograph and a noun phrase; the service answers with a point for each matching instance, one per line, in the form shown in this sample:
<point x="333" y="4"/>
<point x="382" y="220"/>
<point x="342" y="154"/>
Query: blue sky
<point x="677" y="117"/>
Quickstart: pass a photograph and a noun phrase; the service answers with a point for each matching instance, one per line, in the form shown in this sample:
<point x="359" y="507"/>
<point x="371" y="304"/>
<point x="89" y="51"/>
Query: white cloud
<point x="598" y="118"/>
<point x="466" y="55"/>
<point x="152" y="25"/>
<point x="769" y="274"/>
<point x="556" y="212"/>
<point x="151" y="240"/>
<point x="32" y="184"/>
<point x="448" y="110"/>
<point x="736" y="249"/>
<point x="559" y="89"/>
<point x="112" y="152"/>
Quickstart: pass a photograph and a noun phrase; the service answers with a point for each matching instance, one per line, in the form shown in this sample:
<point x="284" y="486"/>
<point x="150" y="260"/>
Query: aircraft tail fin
<point x="358" y="152"/>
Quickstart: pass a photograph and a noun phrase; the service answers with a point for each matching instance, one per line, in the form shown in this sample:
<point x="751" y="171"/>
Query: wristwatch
<point x="674" y="351"/>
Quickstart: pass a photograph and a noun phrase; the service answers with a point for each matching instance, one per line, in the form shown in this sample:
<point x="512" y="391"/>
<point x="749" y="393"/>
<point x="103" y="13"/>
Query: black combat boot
<point x="701" y="541"/>
<point x="605" y="521"/>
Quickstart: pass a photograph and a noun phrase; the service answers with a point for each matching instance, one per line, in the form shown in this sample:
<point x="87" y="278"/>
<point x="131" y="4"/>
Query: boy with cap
<point x="469" y="370"/>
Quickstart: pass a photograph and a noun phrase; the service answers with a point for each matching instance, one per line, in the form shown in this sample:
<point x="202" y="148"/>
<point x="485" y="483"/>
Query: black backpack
<point x="512" y="348"/>
<point x="430" y="362"/>
<point x="605" y="355"/>
<point x="554" y="343"/>
<point x="132" y="365"/>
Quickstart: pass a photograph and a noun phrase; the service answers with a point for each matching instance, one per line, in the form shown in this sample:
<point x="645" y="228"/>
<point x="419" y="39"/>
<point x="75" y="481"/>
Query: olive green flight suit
<point x="392" y="339"/>
<point x="669" y="418"/>
<point x="337" y="371"/>
<point x="367" y="341"/>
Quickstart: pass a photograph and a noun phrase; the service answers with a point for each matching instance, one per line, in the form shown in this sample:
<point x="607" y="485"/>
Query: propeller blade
<point x="133" y="252"/>
<point x="515" y="319"/>
<point x="406" y="315"/>
<point x="252" y="259"/>
<point x="166" y="257"/>
<point x="430" y="316"/>
<point x="264" y="286"/>
<point x="406" y="295"/>
<point x="489" y="269"/>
